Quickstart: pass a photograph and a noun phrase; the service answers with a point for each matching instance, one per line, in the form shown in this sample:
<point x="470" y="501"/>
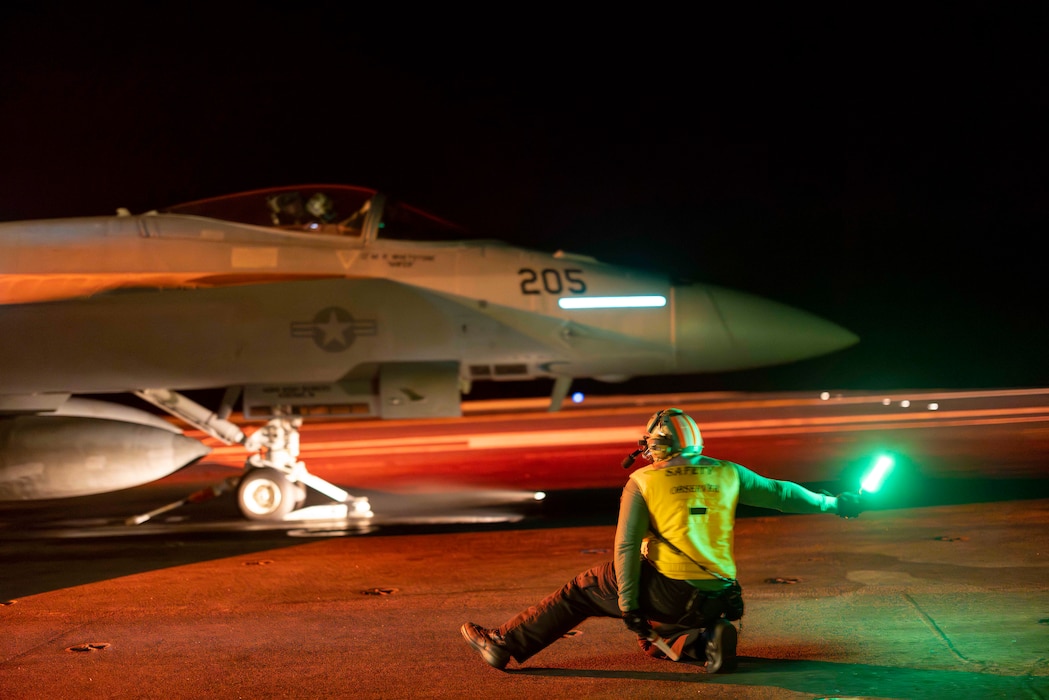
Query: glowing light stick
<point x="876" y="476"/>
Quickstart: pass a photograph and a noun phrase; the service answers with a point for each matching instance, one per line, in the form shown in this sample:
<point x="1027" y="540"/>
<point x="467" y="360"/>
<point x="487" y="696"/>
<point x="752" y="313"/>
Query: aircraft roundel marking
<point x="333" y="329"/>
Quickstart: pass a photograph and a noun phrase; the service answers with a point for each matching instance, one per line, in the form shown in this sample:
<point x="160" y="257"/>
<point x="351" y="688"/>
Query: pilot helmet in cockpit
<point x="321" y="207"/>
<point x="286" y="208"/>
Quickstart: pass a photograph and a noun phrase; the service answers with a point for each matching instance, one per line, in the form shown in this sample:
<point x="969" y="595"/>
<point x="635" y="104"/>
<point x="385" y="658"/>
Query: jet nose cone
<point x="721" y="329"/>
<point x="765" y="332"/>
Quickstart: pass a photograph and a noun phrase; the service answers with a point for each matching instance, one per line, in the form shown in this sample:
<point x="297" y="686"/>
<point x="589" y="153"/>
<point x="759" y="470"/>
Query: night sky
<point x="889" y="173"/>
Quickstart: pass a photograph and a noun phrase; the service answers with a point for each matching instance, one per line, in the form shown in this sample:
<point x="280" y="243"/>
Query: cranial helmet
<point x="321" y="206"/>
<point x="670" y="432"/>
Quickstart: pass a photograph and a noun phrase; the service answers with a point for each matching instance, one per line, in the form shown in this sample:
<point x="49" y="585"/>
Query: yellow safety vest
<point x="692" y="504"/>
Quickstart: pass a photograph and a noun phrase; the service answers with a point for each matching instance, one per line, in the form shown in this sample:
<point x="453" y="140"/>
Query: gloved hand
<point x="638" y="623"/>
<point x="849" y="505"/>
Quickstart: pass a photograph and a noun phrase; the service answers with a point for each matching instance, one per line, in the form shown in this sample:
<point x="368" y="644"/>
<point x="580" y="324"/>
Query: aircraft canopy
<point x="332" y="209"/>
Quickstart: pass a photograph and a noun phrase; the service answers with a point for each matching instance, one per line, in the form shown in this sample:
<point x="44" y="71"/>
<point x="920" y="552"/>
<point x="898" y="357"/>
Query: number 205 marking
<point x="551" y="281"/>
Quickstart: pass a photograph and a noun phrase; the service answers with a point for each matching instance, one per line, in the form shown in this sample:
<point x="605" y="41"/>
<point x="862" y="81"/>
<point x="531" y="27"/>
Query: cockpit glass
<point x="324" y="209"/>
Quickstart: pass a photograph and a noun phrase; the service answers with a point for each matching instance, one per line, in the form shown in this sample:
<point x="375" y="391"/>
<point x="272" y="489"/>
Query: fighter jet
<point x="316" y="300"/>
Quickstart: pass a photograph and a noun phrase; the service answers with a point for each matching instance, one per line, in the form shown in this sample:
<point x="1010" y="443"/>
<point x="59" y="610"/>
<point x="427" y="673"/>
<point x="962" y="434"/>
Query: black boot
<point x="721" y="647"/>
<point x="489" y="643"/>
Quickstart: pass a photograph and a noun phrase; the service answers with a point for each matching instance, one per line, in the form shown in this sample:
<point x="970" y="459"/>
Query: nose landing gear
<point x="275" y="483"/>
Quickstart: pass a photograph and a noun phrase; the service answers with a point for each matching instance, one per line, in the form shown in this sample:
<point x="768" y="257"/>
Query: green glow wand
<point x="873" y="480"/>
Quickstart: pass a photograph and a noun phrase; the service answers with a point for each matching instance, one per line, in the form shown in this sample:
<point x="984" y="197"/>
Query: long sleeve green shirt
<point x="754" y="490"/>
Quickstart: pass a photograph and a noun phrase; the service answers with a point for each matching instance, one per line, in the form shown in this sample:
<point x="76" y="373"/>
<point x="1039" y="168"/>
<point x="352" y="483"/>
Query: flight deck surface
<point x="944" y="596"/>
<point x="928" y="602"/>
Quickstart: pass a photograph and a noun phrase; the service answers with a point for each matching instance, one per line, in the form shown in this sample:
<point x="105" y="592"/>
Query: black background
<point x="885" y="170"/>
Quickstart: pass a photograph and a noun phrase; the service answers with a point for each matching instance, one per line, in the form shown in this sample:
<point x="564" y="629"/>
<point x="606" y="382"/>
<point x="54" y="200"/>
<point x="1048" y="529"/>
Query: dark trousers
<point x="595" y="593"/>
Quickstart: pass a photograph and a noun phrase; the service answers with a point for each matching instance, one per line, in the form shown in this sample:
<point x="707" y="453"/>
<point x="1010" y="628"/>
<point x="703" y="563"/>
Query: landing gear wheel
<point x="266" y="494"/>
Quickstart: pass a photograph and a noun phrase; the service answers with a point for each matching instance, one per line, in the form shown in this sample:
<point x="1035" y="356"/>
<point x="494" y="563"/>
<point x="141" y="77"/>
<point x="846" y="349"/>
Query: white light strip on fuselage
<point x="638" y="302"/>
